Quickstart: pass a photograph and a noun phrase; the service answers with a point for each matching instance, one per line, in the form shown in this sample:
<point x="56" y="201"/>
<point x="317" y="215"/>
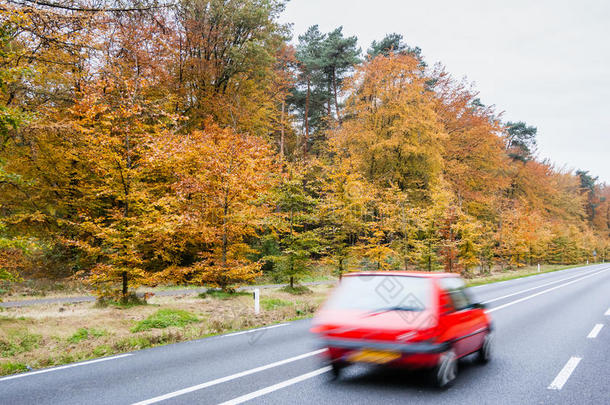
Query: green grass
<point x="12" y="368"/>
<point x="84" y="334"/>
<point x="165" y="318"/>
<point x="270" y="304"/>
<point x="19" y="341"/>
<point x="223" y="295"/>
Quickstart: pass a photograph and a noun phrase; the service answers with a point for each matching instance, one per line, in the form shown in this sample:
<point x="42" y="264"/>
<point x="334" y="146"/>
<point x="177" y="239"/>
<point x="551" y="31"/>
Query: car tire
<point x="444" y="374"/>
<point x="336" y="368"/>
<point x="485" y="352"/>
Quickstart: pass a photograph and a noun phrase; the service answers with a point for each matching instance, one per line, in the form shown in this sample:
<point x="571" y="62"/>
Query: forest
<point x="203" y="142"/>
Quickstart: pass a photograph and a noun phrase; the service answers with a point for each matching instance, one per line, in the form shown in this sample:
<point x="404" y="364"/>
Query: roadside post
<point x="538" y="267"/>
<point x="257" y="301"/>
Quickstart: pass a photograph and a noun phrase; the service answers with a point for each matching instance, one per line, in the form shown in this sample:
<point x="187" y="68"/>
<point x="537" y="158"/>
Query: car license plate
<point x="373" y="356"/>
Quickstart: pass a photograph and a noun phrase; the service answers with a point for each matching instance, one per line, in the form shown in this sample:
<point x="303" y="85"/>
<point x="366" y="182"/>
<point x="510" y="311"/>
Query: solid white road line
<point x="595" y="331"/>
<point x="227" y="378"/>
<point x="532" y="288"/>
<point x="254" y="330"/>
<point x="564" y="374"/>
<point x="534" y="276"/>
<point x="48" y="370"/>
<point x="543" y="292"/>
<point x="278" y="386"/>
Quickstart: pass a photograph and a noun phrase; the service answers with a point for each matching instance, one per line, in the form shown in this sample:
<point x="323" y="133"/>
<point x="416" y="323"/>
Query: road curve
<point x="550" y="348"/>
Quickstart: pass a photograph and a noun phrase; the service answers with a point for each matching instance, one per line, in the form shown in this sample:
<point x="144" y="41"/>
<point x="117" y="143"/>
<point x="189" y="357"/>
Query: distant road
<point x="553" y="335"/>
<point x="162" y="293"/>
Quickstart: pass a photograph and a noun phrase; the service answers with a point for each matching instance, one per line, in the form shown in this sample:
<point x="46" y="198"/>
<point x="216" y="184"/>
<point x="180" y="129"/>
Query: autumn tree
<point x="219" y="179"/>
<point x="225" y="62"/>
<point x="392" y="135"/>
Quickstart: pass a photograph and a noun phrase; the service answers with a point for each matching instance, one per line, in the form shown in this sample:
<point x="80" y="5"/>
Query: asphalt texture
<point x="541" y="322"/>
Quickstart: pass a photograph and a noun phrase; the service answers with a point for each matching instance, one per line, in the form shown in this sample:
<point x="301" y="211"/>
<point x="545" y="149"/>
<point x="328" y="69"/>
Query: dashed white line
<point x="227" y="378"/>
<point x="564" y="374"/>
<point x="48" y="370"/>
<point x="275" y="387"/>
<point x="607" y="312"/>
<point x="543" y="292"/>
<point x="595" y="331"/>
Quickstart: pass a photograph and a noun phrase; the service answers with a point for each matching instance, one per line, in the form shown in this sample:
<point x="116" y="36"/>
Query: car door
<point x="463" y="321"/>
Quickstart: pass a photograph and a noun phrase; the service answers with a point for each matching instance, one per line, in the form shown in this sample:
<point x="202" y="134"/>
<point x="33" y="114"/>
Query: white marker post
<point x="538" y="267"/>
<point x="257" y="301"/>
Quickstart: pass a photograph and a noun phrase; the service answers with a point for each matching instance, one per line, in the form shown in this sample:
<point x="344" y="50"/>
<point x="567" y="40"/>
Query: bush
<point x="270" y="304"/>
<point x="296" y="290"/>
<point x="129" y="301"/>
<point x="83" y="334"/>
<point x="222" y="295"/>
<point x="164" y="318"/>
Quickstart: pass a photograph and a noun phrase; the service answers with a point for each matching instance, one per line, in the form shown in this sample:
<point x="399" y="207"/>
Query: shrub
<point x="296" y="290"/>
<point x="164" y="318"/>
<point x="222" y="295"/>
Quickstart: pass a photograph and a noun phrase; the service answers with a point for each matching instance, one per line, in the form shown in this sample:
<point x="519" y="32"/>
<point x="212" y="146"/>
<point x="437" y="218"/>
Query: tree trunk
<point x="282" y="129"/>
<point x="291" y="282"/>
<point x="306" y="141"/>
<point x="125" y="285"/>
<point x="329" y="103"/>
<point x="225" y="242"/>
<point x="336" y="98"/>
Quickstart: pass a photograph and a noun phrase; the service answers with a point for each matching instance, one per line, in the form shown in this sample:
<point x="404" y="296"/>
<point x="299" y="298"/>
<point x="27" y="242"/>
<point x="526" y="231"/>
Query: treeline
<point x="193" y="142"/>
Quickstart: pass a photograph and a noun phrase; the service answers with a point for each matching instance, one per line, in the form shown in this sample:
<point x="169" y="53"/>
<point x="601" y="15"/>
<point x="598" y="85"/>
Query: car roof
<point x="424" y="274"/>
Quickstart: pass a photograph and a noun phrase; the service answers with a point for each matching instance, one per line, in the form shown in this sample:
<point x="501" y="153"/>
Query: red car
<point x="404" y="319"/>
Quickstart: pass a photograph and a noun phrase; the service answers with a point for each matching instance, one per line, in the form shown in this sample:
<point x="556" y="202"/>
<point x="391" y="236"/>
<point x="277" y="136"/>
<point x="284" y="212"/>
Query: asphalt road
<point x="549" y="349"/>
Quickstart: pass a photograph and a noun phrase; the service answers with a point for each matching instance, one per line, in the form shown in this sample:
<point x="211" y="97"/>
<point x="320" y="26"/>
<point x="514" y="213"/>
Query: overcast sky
<point x="543" y="62"/>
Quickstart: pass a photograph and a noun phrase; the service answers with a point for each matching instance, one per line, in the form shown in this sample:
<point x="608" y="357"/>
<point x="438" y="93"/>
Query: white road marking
<point x="278" y="386"/>
<point x="595" y="331"/>
<point x="254" y="330"/>
<point x="564" y="374"/>
<point x="530" y="277"/>
<point x="48" y="370"/>
<point x="607" y="312"/>
<point x="227" y="378"/>
<point x="530" y="289"/>
<point x="543" y="292"/>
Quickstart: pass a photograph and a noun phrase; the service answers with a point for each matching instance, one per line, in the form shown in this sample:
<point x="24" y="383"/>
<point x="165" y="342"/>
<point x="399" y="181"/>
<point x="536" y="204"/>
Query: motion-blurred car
<point x="405" y="319"/>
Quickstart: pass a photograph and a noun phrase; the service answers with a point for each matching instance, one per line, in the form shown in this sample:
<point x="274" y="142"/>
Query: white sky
<point x="543" y="62"/>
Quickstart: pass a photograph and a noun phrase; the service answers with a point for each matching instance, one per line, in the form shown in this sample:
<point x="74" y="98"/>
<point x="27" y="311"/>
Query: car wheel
<point x="446" y="370"/>
<point x="485" y="352"/>
<point x="336" y="368"/>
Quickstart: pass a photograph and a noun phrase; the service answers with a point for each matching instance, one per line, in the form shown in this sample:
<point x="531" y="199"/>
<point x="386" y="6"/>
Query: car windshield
<point x="378" y="293"/>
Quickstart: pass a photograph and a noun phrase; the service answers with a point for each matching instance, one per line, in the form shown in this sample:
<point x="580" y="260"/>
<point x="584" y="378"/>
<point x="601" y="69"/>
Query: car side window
<point x="455" y="287"/>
